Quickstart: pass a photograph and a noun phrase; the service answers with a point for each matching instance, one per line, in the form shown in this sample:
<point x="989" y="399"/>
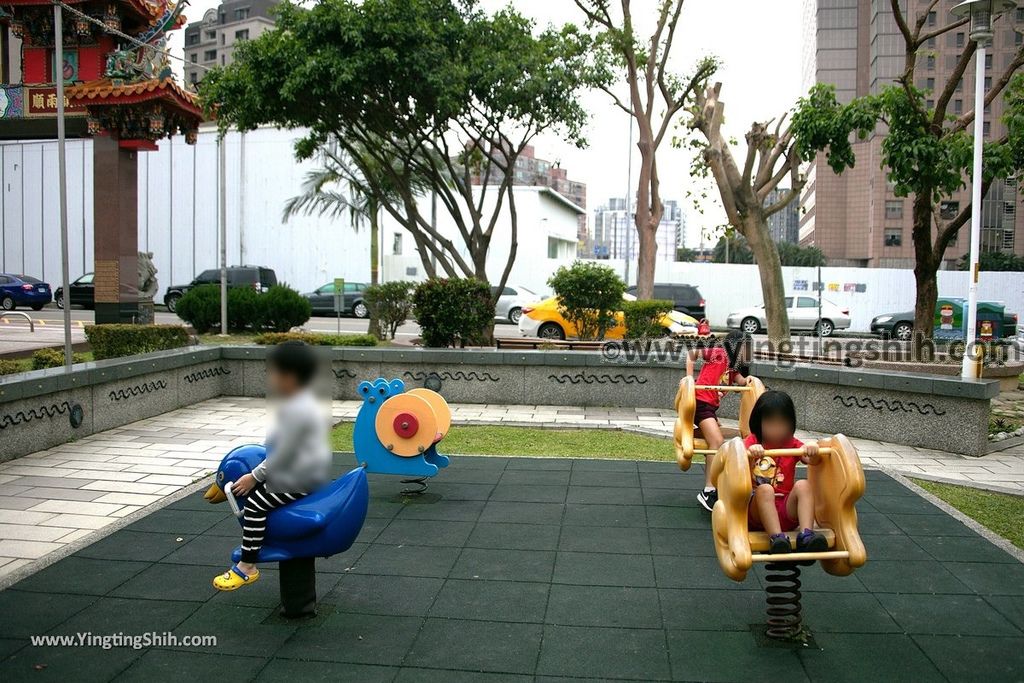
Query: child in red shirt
<point x="780" y="502"/>
<point x="725" y="364"/>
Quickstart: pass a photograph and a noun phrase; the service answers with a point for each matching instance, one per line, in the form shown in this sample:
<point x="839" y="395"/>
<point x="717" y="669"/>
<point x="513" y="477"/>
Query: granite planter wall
<point x="45" y="408"/>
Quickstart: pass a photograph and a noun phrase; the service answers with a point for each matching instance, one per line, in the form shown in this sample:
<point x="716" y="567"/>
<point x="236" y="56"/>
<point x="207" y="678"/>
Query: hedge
<point x="643" y="318"/>
<point x="115" y="341"/>
<point x="589" y="296"/>
<point x="316" y="339"/>
<point x="9" y="367"/>
<point x="200" y="307"/>
<point x="453" y="312"/>
<point x="282" y="308"/>
<point x="390" y="304"/>
<point x="53" y="358"/>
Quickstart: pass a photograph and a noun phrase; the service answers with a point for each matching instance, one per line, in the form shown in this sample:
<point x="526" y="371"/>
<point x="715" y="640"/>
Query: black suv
<point x="687" y="298"/>
<point x="259" y="278"/>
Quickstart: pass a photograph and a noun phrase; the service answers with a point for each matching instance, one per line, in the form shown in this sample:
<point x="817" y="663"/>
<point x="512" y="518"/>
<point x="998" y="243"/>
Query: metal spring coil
<point x="419" y="486"/>
<point x="784" y="618"/>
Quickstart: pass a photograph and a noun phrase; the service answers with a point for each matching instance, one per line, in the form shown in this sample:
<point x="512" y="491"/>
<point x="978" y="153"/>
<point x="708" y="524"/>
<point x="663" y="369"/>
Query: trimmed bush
<point x="9" y="367"/>
<point x="453" y="312"/>
<point x="589" y="296"/>
<point x="283" y="308"/>
<point x="115" y="341"/>
<point x="643" y="318"/>
<point x="245" y="310"/>
<point x="315" y="339"/>
<point x="53" y="358"/>
<point x="390" y="304"/>
<point x="200" y="307"/>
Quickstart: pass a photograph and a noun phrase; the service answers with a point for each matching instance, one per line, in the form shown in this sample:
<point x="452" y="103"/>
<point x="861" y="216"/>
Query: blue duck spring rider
<point x="396" y="432"/>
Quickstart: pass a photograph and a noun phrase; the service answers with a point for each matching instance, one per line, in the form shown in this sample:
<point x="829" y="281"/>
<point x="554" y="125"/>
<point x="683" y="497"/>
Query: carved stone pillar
<point x="115" y="231"/>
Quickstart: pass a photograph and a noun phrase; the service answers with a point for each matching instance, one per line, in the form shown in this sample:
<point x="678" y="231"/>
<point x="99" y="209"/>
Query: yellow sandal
<point x="234" y="578"/>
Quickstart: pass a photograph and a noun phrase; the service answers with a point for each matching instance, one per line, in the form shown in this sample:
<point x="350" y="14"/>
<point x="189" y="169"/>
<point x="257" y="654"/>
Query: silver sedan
<point x="803" y="315"/>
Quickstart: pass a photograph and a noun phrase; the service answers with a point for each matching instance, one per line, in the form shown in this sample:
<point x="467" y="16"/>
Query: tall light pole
<point x="981" y="13"/>
<point x="628" y="197"/>
<point x="62" y="173"/>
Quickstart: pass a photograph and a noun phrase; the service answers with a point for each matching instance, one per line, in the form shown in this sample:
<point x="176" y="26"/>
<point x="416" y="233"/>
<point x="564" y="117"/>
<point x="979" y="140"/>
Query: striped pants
<point x="254" y="518"/>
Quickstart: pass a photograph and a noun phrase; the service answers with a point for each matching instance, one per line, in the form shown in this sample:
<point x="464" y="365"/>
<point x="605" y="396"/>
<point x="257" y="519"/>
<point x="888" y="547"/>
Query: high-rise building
<point x="784" y="225"/>
<point x="211" y="41"/>
<point x="614" y="235"/>
<point x="855" y="218"/>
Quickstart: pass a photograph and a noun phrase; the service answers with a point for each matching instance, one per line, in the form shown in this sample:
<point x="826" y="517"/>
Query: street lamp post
<point x="62" y="173"/>
<point x="981" y="13"/>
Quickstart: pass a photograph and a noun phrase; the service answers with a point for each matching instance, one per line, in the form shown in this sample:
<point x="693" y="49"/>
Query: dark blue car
<point x="23" y="290"/>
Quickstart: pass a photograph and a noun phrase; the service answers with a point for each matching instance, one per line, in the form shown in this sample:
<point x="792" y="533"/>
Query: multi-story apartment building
<point x="855" y="218"/>
<point x="211" y="41"/>
<point x="614" y="235"/>
<point x="784" y="225"/>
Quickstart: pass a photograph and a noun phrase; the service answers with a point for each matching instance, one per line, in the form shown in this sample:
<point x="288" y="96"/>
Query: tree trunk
<point x="926" y="266"/>
<point x="374" y="325"/>
<point x="769" y="267"/>
<point x="645" y="262"/>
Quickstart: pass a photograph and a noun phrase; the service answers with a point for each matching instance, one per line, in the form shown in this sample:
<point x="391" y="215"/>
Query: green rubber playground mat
<point x="526" y="569"/>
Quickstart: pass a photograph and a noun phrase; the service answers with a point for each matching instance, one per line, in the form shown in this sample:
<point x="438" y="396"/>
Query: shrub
<point x="200" y="307"/>
<point x="589" y="295"/>
<point x="453" y="311"/>
<point x="643" y="318"/>
<point x="53" y="358"/>
<point x="390" y="304"/>
<point x="9" y="367"/>
<point x="282" y="308"/>
<point x="115" y="341"/>
<point x="245" y="309"/>
<point x="316" y="339"/>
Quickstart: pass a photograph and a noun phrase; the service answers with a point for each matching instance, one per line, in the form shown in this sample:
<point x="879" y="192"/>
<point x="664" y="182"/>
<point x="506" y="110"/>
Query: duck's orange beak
<point x="215" y="494"/>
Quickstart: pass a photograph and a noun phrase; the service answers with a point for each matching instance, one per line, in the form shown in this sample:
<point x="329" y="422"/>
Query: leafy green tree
<point x="927" y="150"/>
<point x="686" y="255"/>
<point x="656" y="94"/>
<point x="795" y="255"/>
<point x="589" y="296"/>
<point x="994" y="261"/>
<point x="409" y="89"/>
<point x="391" y="304"/>
<point x="731" y="249"/>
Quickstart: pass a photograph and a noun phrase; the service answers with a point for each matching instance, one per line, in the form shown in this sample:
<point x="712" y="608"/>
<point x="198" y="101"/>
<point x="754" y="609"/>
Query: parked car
<point x="901" y="325"/>
<point x="545" y="321"/>
<point x="82" y="293"/>
<point x="687" y="298"/>
<point x="803" y="315"/>
<point x="259" y="278"/>
<point x="23" y="290"/>
<point x="510" y="303"/>
<point x="321" y="300"/>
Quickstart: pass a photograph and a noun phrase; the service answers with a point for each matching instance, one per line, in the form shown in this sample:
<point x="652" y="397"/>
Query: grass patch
<point x="998" y="512"/>
<point x="533" y="441"/>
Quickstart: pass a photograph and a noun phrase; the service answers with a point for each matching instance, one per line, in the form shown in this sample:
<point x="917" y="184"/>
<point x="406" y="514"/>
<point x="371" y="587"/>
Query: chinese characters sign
<point x="42" y="101"/>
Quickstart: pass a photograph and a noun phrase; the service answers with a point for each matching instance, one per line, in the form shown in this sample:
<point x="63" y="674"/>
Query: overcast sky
<point x="759" y="44"/>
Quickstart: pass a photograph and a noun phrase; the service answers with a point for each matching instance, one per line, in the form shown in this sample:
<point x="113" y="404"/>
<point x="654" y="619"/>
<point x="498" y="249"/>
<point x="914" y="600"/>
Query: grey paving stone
<point x="506" y="601"/>
<point x="604" y="653"/>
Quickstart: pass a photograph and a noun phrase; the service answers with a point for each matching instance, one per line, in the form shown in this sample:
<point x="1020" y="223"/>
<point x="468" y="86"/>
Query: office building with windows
<point x="211" y="41"/>
<point x="855" y="218"/>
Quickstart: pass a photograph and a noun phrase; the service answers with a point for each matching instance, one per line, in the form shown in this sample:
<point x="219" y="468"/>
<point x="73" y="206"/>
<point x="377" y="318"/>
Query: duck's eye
<point x="220" y="477"/>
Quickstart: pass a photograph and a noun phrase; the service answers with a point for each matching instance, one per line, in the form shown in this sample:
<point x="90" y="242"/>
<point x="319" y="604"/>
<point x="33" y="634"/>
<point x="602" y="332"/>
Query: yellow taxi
<point x="544" y="320"/>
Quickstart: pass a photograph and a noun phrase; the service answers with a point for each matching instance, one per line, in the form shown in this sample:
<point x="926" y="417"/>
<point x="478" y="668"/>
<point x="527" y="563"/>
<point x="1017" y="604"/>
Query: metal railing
<point x="26" y="316"/>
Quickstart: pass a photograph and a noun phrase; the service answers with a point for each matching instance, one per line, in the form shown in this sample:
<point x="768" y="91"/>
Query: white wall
<point x="178" y="211"/>
<point x="728" y="287"/>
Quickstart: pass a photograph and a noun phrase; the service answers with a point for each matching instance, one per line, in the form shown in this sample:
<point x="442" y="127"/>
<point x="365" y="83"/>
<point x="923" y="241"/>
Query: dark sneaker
<point x="810" y="541"/>
<point x="707" y="499"/>
<point x="780" y="544"/>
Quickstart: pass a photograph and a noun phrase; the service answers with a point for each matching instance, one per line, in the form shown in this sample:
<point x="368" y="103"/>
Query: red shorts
<point x="785" y="521"/>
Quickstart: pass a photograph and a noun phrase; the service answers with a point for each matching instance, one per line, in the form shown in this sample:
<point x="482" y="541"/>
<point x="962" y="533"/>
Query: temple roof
<point x="149" y="12"/>
<point x="104" y="92"/>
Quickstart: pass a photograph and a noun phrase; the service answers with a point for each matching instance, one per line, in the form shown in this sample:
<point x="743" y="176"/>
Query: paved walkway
<point x="59" y="496"/>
